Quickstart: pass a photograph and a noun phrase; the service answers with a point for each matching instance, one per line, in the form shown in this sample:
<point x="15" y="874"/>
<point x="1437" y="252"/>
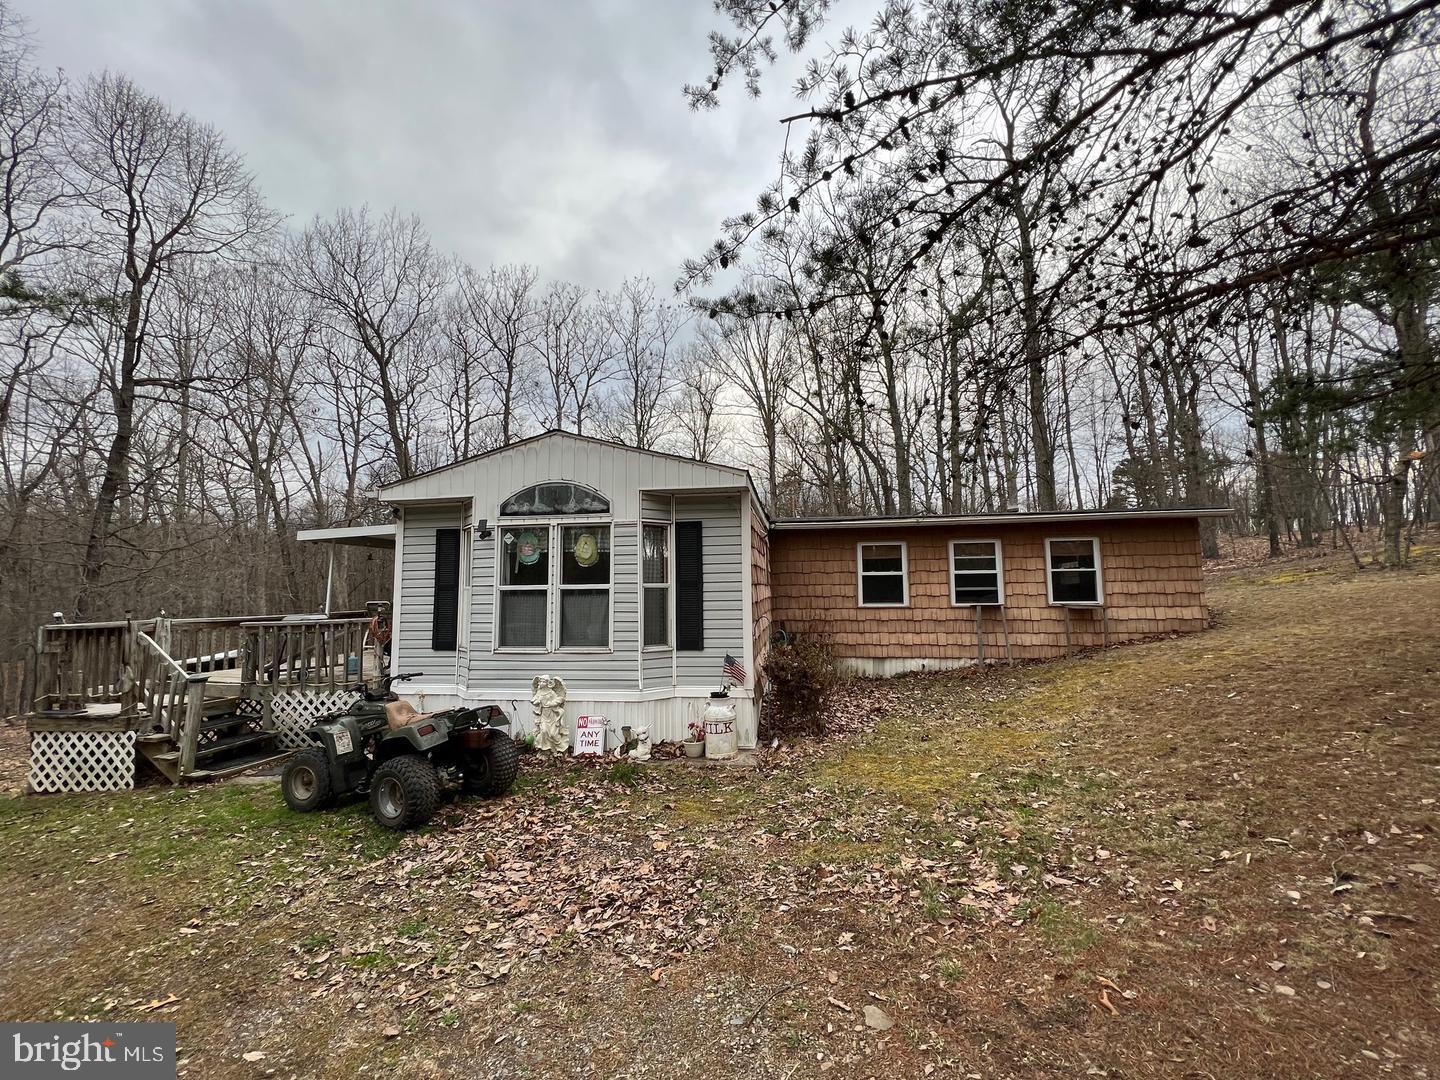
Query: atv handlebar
<point x="383" y="691"/>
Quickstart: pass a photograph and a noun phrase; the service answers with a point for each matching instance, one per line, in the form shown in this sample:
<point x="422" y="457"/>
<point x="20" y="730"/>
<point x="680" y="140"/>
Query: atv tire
<point x="305" y="783"/>
<point x="404" y="792"/>
<point x="493" y="770"/>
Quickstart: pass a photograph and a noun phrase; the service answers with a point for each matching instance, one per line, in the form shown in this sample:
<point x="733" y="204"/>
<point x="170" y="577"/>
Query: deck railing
<point x="81" y="664"/>
<point x="209" y="644"/>
<point x="326" y="652"/>
<point x="169" y="698"/>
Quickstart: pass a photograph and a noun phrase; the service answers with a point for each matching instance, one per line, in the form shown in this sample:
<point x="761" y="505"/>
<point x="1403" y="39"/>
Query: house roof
<point x="433" y="485"/>
<point x="551" y="434"/>
<point x="1010" y="518"/>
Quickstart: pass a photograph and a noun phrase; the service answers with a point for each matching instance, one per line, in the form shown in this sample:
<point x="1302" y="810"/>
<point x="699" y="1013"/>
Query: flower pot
<point x="694" y="748"/>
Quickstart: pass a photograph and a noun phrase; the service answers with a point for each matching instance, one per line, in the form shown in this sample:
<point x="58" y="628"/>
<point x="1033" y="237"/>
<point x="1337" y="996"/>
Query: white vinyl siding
<point x="415" y="606"/>
<point x="724" y="554"/>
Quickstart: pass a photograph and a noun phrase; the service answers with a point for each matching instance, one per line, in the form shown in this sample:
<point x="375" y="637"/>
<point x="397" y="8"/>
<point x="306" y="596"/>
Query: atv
<point x="403" y="760"/>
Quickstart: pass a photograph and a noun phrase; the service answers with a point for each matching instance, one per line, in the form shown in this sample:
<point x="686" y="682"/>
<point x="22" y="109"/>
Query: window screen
<point x="524" y="587"/>
<point x="655" y="583"/>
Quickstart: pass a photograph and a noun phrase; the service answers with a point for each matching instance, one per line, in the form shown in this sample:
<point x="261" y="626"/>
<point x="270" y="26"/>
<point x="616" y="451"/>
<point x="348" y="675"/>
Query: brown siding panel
<point x="1151" y="572"/>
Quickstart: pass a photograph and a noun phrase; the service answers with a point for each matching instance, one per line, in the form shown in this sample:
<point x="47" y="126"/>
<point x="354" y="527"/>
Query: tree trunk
<point x="117" y="460"/>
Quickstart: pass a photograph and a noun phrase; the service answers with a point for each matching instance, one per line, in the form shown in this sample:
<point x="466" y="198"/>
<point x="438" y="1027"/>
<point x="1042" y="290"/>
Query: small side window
<point x="882" y="575"/>
<point x="655" y="583"/>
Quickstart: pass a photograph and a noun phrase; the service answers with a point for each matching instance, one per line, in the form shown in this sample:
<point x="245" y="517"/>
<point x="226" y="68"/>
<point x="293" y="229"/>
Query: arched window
<point x="554" y="498"/>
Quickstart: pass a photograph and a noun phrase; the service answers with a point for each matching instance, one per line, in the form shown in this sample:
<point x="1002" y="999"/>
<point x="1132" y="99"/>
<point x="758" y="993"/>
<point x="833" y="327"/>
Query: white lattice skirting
<point x="294" y="712"/>
<point x="82" y="761"/>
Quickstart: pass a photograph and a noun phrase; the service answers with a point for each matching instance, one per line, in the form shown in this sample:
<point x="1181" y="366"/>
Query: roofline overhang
<point x="372" y="536"/>
<point x="1014" y="518"/>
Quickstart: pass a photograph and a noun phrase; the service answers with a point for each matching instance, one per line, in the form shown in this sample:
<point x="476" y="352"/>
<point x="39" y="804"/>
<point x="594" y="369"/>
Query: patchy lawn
<point x="1213" y="857"/>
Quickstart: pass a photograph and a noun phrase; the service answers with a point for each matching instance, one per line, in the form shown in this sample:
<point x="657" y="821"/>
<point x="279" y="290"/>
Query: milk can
<point x="719" y="721"/>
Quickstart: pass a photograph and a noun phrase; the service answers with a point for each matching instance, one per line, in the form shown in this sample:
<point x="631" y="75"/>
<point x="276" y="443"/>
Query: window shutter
<point x="689" y="586"/>
<point x="447" y="590"/>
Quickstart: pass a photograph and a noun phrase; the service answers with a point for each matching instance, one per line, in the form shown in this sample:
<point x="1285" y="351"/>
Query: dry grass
<point x="1230" y="837"/>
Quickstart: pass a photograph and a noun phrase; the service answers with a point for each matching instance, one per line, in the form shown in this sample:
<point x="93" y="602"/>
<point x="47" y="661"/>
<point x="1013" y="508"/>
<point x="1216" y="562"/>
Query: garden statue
<point x="641" y="751"/>
<point x="547" y="698"/>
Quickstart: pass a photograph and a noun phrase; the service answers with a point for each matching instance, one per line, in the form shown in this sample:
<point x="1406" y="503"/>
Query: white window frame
<point x="999" y="573"/>
<point x="1094" y="542"/>
<point x="861" y="573"/>
<point x="505" y="525"/>
<point x="558" y="586"/>
<point x="669" y="586"/>
<point x="467" y="557"/>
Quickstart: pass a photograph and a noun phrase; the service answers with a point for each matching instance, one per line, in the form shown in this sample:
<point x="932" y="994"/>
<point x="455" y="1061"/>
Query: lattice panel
<point x="294" y="711"/>
<point x="82" y="761"/>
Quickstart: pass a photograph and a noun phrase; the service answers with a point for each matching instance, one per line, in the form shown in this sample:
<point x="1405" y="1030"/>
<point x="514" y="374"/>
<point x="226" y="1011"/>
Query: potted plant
<point x="695" y="744"/>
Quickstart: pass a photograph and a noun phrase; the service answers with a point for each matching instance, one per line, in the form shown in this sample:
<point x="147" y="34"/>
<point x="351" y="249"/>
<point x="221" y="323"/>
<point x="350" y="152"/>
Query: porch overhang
<point x="367" y="536"/>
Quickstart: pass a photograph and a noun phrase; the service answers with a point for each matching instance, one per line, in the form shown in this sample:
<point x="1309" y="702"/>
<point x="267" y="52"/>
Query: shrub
<point x="799" y="676"/>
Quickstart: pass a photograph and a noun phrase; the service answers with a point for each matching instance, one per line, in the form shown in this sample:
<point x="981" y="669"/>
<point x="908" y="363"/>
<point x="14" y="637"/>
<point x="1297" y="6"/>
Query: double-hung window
<point x="584" y="587"/>
<point x="524" y="615"/>
<point x="655" y="584"/>
<point x="882" y="573"/>
<point x="1072" y="571"/>
<point x="977" y="575"/>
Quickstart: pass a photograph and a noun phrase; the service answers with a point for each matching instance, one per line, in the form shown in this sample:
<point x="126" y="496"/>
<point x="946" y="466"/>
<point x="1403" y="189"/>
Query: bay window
<point x="553" y="586"/>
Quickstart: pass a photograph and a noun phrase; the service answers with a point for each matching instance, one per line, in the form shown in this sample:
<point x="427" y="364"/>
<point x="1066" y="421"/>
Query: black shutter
<point x="689" y="587"/>
<point x="447" y="590"/>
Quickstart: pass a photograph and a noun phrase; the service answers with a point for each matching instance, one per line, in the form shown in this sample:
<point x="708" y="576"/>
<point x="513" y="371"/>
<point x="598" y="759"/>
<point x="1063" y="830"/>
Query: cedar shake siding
<point x="760" y="601"/>
<point x="1150" y="572"/>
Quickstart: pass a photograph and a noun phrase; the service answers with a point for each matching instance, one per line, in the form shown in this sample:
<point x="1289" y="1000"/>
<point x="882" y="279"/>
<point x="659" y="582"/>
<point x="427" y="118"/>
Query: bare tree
<point x="759" y="357"/>
<point x="159" y="187"/>
<point x="495" y="323"/>
<point x="644" y="332"/>
<point x="33" y="182"/>
<point x="379" y="283"/>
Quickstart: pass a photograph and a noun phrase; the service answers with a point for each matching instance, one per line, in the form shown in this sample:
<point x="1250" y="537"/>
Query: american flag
<point x="733" y="669"/>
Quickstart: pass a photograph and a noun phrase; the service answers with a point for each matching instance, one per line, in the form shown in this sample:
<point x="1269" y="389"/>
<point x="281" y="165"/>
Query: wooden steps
<point x="228" y="742"/>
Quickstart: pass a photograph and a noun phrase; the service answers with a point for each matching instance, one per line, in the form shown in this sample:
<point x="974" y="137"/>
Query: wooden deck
<point x="198" y="694"/>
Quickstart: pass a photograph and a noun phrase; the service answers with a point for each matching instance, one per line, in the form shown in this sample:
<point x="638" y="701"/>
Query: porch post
<point x="330" y="577"/>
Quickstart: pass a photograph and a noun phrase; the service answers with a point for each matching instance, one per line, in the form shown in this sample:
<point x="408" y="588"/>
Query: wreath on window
<point x="586" y="549"/>
<point x="527" y="548"/>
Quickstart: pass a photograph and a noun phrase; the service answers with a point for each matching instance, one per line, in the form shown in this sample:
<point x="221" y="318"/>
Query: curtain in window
<point x="522" y="619"/>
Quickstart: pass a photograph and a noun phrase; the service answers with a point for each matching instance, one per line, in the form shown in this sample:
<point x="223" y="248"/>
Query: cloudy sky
<point x="547" y="132"/>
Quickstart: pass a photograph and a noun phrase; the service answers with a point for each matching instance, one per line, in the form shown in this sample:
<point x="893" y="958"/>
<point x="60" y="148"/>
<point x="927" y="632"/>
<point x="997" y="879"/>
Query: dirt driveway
<point x="1208" y="857"/>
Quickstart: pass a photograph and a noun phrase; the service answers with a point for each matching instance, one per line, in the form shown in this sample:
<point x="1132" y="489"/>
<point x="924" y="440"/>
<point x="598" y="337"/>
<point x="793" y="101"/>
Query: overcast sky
<point x="551" y="132"/>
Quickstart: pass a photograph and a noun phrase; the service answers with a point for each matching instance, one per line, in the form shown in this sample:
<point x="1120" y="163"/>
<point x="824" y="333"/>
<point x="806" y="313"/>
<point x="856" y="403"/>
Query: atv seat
<point x="399" y="714"/>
